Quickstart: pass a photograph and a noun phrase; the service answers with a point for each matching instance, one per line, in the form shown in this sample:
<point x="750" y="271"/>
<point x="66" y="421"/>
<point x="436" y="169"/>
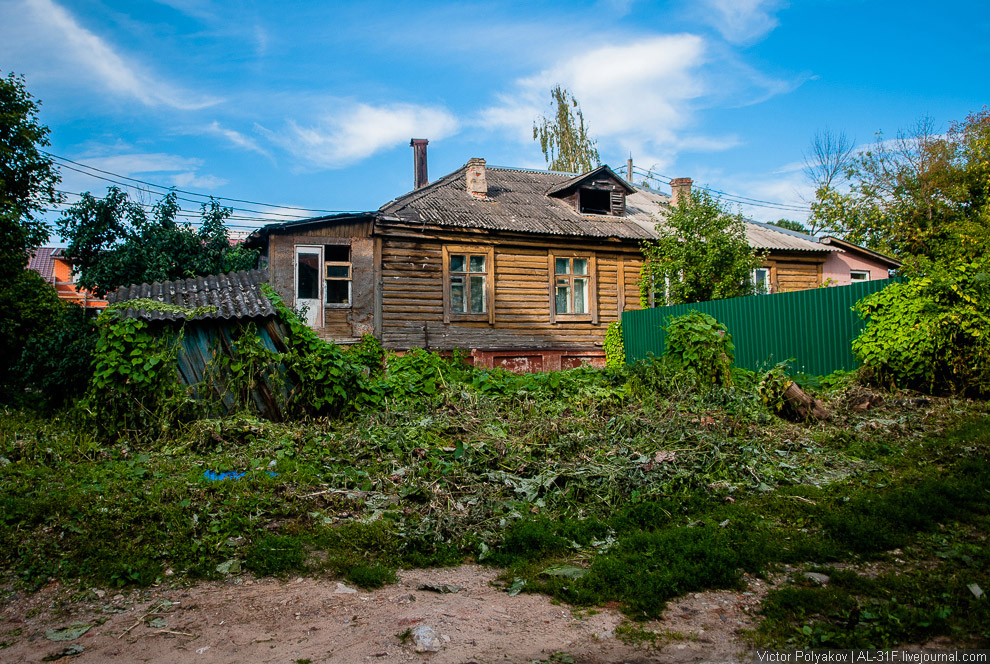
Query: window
<point x="572" y="287"/>
<point x="761" y="280"/>
<point x="468" y="275"/>
<point x="859" y="275"/>
<point x="596" y="201"/>
<point x="307" y="274"/>
<point x="468" y="288"/>
<point x="337" y="267"/>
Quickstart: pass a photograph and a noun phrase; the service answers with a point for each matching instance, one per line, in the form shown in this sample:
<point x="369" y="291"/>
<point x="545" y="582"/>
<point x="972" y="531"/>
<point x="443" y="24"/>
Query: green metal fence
<point x="815" y="328"/>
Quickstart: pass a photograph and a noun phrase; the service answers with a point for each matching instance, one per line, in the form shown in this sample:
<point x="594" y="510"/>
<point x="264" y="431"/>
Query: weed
<point x="275" y="555"/>
<point x="371" y="576"/>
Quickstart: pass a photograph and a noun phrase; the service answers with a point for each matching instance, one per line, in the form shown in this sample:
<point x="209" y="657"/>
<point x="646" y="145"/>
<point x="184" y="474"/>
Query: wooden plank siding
<point x="794" y="272"/>
<point x="412" y="309"/>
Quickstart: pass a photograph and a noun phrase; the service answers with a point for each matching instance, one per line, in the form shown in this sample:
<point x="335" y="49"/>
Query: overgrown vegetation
<point x="633" y="485"/>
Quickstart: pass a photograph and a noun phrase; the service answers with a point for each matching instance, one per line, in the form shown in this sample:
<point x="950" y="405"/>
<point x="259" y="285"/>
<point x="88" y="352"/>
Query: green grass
<point x="647" y="495"/>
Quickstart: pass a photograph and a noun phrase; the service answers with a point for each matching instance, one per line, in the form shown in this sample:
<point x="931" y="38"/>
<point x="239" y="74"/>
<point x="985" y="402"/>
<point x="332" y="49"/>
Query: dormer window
<point x="600" y="192"/>
<point x="595" y="201"/>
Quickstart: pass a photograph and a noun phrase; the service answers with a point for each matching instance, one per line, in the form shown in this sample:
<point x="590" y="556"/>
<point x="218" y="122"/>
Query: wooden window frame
<point x="350" y="278"/>
<point x="488" y="252"/>
<point x="592" y="315"/>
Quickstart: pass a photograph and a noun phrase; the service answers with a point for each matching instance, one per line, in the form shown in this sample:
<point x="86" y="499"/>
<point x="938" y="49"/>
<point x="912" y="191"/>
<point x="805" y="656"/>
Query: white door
<point x="309" y="284"/>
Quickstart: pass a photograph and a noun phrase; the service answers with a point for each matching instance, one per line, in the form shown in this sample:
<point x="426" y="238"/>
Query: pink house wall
<point x="835" y="271"/>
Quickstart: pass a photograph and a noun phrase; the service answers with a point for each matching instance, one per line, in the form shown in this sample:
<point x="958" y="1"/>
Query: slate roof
<point x="234" y="295"/>
<point x="41" y="261"/>
<point x="518" y="201"/>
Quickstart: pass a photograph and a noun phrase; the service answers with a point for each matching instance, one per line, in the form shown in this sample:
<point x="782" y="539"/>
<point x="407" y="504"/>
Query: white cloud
<point x="191" y="179"/>
<point x="67" y="49"/>
<point x="640" y="97"/>
<point x="236" y="138"/>
<point x="741" y="21"/>
<point x="157" y="168"/>
<point x="355" y="131"/>
<point x="636" y="95"/>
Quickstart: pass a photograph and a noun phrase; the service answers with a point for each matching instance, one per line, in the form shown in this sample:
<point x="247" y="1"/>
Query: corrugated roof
<point x="41" y="261"/>
<point x="517" y="201"/>
<point x="233" y="295"/>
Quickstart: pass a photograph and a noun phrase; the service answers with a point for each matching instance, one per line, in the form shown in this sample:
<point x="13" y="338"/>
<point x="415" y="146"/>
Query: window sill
<point x="573" y="318"/>
<point x="337" y="306"/>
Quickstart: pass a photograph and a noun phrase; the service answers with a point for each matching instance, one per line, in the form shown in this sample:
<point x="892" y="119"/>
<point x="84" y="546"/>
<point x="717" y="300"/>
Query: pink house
<point x="854" y="263"/>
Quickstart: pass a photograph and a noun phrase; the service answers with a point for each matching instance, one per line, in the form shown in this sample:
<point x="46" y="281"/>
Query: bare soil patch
<point x="248" y="620"/>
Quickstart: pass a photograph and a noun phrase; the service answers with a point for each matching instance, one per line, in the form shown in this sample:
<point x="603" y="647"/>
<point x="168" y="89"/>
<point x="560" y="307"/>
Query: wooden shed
<point x="212" y="312"/>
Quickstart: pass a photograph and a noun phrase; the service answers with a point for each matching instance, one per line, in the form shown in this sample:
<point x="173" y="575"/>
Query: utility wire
<point x="190" y="193"/>
<point x="734" y="198"/>
<point x="185" y="213"/>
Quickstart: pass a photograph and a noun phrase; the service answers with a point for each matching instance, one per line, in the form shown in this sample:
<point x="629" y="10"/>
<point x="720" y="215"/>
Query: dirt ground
<point x="319" y="620"/>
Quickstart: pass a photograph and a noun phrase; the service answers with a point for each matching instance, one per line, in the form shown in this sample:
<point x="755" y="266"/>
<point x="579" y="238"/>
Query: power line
<point x="189" y="193"/>
<point x="733" y="198"/>
<point x="186" y="214"/>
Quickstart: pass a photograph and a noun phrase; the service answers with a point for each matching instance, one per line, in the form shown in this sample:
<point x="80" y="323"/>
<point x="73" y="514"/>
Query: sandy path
<point x="244" y="621"/>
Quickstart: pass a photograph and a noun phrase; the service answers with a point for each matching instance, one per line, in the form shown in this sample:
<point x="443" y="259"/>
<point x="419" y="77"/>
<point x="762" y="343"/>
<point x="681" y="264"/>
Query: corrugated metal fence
<point x="814" y="327"/>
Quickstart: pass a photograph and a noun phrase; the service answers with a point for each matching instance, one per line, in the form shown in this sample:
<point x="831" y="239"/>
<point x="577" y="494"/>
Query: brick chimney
<point x="680" y="190"/>
<point x="477" y="183"/>
<point x="419" y="161"/>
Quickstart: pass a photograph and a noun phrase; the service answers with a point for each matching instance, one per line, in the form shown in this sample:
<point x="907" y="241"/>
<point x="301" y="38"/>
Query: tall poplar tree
<point x="564" y="138"/>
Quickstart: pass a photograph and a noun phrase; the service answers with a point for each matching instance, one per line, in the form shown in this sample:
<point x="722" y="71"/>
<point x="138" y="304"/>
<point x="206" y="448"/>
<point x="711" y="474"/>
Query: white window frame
<point x="855" y="279"/>
<point x="766" y="281"/>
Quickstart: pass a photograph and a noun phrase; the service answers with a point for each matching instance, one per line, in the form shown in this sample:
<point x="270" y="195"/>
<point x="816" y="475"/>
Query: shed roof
<point x="235" y="295"/>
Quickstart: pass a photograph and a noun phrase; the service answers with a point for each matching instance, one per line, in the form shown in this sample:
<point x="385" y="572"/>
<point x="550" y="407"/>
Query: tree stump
<point x="799" y="406"/>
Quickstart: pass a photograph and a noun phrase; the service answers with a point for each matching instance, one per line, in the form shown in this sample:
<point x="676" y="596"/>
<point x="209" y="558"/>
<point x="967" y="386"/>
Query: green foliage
<point x="615" y="349"/>
<point x="564" y="139"/>
<point x="789" y="225"/>
<point x="28" y="179"/>
<point x="701" y="254"/>
<point x="368" y="353"/>
<point x="55" y="365"/>
<point x="330" y="383"/>
<point x="113" y="242"/>
<point x="700" y="346"/>
<point x="930" y="332"/>
<point x="371" y="576"/>
<point x="924" y="193"/>
<point x="29" y="309"/>
<point x="134" y="388"/>
<point x="275" y="555"/>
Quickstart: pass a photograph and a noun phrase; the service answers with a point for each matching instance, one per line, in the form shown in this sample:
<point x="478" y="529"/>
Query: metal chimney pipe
<point x="419" y="161"/>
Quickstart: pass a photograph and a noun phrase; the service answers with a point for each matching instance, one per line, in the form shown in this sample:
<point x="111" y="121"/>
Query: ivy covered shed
<point x="207" y="316"/>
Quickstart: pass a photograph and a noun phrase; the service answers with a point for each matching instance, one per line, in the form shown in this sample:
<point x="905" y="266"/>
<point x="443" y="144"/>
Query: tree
<point x="112" y="242"/>
<point x="789" y="225"/>
<point x="28" y="177"/>
<point x="922" y="194"/>
<point x="28" y="305"/>
<point x="564" y="139"/>
<point x="701" y="254"/>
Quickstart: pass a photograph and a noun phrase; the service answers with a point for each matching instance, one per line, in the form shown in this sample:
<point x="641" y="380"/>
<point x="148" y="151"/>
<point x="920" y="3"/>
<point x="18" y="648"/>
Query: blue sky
<point x="312" y="103"/>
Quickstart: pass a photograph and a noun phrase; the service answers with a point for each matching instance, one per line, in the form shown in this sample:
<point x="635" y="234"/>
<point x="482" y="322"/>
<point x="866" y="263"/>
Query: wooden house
<point x="524" y="268"/>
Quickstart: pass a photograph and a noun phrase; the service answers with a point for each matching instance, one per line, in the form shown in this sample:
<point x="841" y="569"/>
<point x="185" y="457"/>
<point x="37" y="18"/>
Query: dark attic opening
<point x="596" y="201"/>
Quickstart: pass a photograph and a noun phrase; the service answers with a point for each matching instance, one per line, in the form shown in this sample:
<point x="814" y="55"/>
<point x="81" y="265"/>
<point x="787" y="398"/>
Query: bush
<point x="55" y="366"/>
<point x="930" y="333"/>
<point x="615" y="349"/>
<point x="701" y="347"/>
